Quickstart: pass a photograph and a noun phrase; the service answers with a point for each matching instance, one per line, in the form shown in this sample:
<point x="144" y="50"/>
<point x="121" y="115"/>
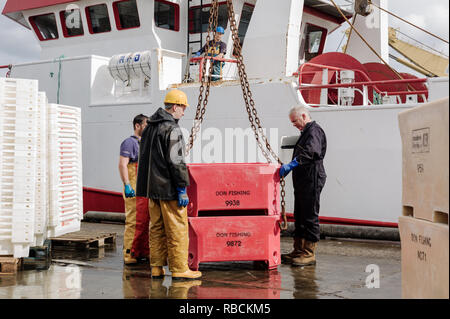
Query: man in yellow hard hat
<point x="163" y="178"/>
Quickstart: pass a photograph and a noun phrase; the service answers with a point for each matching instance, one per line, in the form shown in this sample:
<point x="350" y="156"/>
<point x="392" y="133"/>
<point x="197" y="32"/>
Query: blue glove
<point x="129" y="191"/>
<point x="197" y="54"/>
<point x="183" y="199"/>
<point x="287" y="168"/>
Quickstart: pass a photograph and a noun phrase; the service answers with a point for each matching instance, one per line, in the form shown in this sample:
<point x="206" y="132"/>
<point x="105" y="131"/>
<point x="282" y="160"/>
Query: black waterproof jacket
<point x="161" y="167"/>
<point x="310" y="151"/>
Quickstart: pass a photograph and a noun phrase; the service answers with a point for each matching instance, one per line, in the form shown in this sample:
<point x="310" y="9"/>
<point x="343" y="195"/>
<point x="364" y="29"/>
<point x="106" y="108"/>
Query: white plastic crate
<point x="17" y="107"/>
<point x="9" y="248"/>
<point x="19" y="115"/>
<point x="23" y="85"/>
<point x="65" y="177"/>
<point x="26" y="196"/>
<point x="18" y="140"/>
<point x="17" y="161"/>
<point x="17" y="147"/>
<point x="19" y="126"/>
<point x="9" y="163"/>
<point x="65" y="227"/>
<point x="17" y="192"/>
<point x="40" y="163"/>
<point x="18" y="133"/>
<point x="40" y="231"/>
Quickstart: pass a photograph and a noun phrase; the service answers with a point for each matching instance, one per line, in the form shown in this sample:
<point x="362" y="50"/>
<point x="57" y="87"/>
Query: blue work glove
<point x="287" y="168"/>
<point x="197" y="54"/>
<point x="183" y="199"/>
<point x="129" y="191"/>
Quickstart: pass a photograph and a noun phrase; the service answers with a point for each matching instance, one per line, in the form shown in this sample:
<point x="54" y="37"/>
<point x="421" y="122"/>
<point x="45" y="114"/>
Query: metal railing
<point x="9" y="67"/>
<point x="201" y="60"/>
<point x="367" y="83"/>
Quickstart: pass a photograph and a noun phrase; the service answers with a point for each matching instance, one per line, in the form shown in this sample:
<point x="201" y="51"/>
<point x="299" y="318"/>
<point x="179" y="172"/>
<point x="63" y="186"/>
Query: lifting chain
<point x="203" y="102"/>
<point x="255" y="122"/>
<point x="253" y="117"/>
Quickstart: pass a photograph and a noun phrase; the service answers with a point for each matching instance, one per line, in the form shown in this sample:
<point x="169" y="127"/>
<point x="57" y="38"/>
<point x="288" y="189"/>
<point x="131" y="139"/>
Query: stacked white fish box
<point x="18" y="147"/>
<point x="40" y="168"/>
<point x="40" y="229"/>
<point x="65" y="167"/>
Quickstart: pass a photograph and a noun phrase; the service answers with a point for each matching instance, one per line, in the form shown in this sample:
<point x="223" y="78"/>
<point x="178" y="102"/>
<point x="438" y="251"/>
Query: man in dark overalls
<point x="308" y="180"/>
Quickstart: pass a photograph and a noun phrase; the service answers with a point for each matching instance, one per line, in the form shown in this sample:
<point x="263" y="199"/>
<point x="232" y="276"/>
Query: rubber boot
<point x="298" y="246"/>
<point x="158" y="272"/>
<point x="308" y="256"/>
<point x="188" y="274"/>
<point x="128" y="259"/>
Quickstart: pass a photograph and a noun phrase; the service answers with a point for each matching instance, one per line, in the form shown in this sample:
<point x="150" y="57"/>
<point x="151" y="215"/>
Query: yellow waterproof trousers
<point x="169" y="235"/>
<point x="130" y="212"/>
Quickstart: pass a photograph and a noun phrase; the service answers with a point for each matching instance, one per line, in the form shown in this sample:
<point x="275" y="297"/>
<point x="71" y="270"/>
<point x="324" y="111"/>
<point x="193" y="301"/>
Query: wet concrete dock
<point x="340" y="273"/>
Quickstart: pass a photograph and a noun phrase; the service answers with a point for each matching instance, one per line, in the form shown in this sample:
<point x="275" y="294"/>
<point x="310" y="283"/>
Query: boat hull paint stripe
<point x="99" y="200"/>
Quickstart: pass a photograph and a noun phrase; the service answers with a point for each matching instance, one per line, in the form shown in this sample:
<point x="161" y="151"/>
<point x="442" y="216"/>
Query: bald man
<point x="308" y="174"/>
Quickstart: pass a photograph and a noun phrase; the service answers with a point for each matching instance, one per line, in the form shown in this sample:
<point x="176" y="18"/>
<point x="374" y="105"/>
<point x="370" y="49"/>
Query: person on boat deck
<point x="163" y="178"/>
<point x="218" y="49"/>
<point x="308" y="179"/>
<point x="128" y="160"/>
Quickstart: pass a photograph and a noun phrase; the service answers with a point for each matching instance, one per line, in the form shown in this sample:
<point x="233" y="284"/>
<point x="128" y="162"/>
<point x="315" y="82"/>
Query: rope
<point x="59" y="79"/>
<point x="368" y="45"/>
<point x="437" y="37"/>
<point x="413" y="65"/>
<point x="340" y="42"/>
<point x="421" y="43"/>
<point x="350" y="33"/>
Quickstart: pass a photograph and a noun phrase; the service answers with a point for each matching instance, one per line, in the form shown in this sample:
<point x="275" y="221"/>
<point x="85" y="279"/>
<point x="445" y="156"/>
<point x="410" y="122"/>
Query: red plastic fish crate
<point x="233" y="189"/>
<point x="233" y="213"/>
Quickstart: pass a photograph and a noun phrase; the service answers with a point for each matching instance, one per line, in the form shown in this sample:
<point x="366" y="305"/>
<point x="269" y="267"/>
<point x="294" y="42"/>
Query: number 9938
<point x="229" y="203"/>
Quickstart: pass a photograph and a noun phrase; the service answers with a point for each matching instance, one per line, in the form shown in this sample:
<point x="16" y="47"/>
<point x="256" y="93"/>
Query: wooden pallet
<point x="10" y="265"/>
<point x="83" y="240"/>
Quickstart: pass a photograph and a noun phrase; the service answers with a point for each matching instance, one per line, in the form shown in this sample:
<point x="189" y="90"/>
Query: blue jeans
<point x="217" y="67"/>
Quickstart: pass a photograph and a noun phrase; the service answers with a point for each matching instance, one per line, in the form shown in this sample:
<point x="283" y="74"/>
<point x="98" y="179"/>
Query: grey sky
<point x="19" y="45"/>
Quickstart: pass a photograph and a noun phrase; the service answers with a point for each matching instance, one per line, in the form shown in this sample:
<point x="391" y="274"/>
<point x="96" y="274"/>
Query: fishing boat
<point x="117" y="59"/>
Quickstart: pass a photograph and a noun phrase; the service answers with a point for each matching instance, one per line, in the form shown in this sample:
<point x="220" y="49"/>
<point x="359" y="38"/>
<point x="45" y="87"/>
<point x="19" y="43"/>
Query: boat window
<point x="126" y="14"/>
<point x="98" y="18"/>
<point x="71" y="23"/>
<point x="246" y="16"/>
<point x="167" y="15"/>
<point x="199" y="17"/>
<point x="313" y="42"/>
<point x="45" y="26"/>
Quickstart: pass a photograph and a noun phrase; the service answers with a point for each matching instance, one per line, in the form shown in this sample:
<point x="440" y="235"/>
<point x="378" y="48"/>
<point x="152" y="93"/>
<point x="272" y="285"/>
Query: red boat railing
<point x="9" y="67"/>
<point x="201" y="61"/>
<point x="368" y="82"/>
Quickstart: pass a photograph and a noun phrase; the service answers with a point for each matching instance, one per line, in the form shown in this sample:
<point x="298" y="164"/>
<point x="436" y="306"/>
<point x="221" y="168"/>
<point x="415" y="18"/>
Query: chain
<point x="203" y="101"/>
<point x="253" y="117"/>
<point x="255" y="122"/>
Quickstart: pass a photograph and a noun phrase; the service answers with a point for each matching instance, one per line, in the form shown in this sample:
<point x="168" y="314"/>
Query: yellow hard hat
<point x="176" y="97"/>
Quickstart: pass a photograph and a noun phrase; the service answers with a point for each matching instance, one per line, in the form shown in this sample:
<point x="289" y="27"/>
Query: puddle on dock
<point x="100" y="274"/>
